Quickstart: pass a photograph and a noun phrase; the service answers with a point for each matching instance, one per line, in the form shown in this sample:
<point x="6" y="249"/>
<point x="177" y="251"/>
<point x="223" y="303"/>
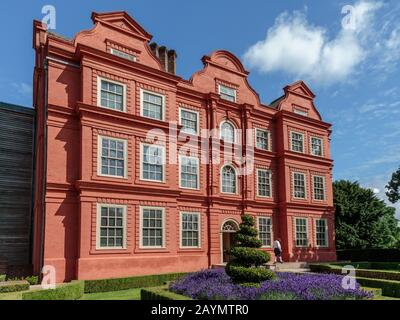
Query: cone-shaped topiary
<point x="245" y="267"/>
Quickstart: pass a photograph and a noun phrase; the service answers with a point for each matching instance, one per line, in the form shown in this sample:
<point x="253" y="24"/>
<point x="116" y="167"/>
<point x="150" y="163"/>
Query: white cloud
<point x="297" y="47"/>
<point x="376" y="190"/>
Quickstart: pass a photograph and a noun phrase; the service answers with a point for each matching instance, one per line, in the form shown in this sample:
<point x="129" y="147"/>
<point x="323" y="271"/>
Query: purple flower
<point x="215" y="284"/>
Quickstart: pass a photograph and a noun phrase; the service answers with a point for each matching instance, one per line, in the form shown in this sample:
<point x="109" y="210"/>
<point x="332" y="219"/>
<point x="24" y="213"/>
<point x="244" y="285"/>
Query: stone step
<point x="218" y="266"/>
<point x="288" y="265"/>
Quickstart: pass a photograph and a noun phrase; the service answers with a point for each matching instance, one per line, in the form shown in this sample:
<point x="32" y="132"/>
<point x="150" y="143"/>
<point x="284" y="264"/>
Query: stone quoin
<point x="113" y="201"/>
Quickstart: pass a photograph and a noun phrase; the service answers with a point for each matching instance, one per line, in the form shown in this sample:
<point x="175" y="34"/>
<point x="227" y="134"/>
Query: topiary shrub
<point x="245" y="267"/>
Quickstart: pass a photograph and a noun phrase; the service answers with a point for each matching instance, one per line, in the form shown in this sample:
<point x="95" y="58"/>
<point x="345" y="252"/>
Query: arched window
<point x="227" y="132"/>
<point x="230" y="226"/>
<point x="228" y="181"/>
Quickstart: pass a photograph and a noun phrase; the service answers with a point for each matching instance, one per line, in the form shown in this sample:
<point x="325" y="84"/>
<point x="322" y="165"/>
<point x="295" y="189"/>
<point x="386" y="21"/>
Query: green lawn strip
<point x="385" y="298"/>
<point x="376" y="291"/>
<point x="364" y="273"/>
<point x="130" y="294"/>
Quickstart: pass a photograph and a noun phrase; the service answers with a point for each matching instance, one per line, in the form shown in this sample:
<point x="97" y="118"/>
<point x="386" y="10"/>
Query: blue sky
<point x="352" y="67"/>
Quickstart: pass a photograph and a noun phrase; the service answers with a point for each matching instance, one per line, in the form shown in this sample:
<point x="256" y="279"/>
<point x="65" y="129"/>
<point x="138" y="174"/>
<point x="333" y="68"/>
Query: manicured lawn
<point x="131" y="294"/>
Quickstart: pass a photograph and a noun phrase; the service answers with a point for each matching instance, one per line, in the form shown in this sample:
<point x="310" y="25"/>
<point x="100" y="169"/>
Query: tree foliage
<point x="246" y="265"/>
<point x="393" y="187"/>
<point x="363" y="220"/>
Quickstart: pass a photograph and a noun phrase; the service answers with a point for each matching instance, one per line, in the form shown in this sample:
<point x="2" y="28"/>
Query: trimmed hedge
<point x="160" y="293"/>
<point x="256" y="257"/>
<point x="379" y="255"/>
<point x="389" y="288"/>
<point x="2" y="277"/>
<point x="390" y="266"/>
<point x="249" y="275"/>
<point x="13" y="286"/>
<point x="364" y="273"/>
<point x="117" y="284"/>
<point x="68" y="291"/>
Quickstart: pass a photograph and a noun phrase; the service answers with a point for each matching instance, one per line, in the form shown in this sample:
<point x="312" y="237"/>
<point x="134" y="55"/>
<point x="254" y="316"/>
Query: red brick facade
<point x="77" y="126"/>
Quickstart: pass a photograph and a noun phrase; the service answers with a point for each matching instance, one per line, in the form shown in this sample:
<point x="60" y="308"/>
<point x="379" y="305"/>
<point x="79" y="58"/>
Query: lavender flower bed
<point x="216" y="285"/>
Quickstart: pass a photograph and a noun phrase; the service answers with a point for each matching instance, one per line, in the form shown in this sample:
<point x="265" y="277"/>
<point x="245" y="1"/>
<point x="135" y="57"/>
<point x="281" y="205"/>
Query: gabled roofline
<point x="105" y="16"/>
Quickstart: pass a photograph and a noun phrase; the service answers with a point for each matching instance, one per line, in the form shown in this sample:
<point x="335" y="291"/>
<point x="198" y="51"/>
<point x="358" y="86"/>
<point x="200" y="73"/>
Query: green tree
<point x="246" y="266"/>
<point x="363" y="220"/>
<point x="393" y="187"/>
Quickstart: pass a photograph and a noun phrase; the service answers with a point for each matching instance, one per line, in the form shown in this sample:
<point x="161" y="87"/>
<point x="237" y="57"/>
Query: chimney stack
<point x="167" y="57"/>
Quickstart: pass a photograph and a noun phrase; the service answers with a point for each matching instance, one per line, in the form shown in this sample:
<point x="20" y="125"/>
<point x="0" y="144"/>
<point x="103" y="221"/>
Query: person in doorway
<point x="278" y="251"/>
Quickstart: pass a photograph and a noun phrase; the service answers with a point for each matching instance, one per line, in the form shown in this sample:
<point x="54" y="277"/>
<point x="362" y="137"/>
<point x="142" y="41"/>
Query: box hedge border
<point x="13" y="286"/>
<point x="390" y="288"/>
<point x="117" y="284"/>
<point x="69" y="291"/>
<point x="160" y="293"/>
<point x="364" y="273"/>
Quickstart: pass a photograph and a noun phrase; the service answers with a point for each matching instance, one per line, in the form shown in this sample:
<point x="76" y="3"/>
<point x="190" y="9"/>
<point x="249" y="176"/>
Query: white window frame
<point x="124" y="93"/>
<point x="305" y="185"/>
<point x="198" y="172"/>
<point x="163" y="161"/>
<point x="234" y="90"/>
<point x="98" y="225"/>
<point x="197" y="119"/>
<point x="300" y="112"/>
<point x="270" y="183"/>
<point x="324" y="187"/>
<point x="291" y="144"/>
<point x="181" y="230"/>
<point x="236" y="179"/>
<point x="162" y="96"/>
<point x="268" y="139"/>
<point x="234" y="131"/>
<point x="326" y="233"/>
<point x="270" y="231"/>
<point x="295" y="232"/>
<point x="322" y="146"/>
<point x="123" y="55"/>
<point x="141" y="246"/>
<point x="99" y="155"/>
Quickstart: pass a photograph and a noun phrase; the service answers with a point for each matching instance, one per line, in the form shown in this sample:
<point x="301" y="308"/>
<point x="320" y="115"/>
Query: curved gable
<point x="223" y="67"/>
<point x="120" y="31"/>
<point x="299" y="98"/>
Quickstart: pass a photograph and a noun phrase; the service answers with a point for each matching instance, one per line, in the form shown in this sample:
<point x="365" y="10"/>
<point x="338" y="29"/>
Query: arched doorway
<point x="228" y="230"/>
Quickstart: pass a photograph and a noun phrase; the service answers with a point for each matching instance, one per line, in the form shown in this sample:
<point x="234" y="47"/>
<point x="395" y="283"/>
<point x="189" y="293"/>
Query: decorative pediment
<point x="226" y="60"/>
<point x="122" y="21"/>
<point x="301" y="89"/>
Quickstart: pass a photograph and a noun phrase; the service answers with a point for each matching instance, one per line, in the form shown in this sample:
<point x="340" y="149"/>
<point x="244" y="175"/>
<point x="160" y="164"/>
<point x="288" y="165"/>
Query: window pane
<point x="112" y="162"/>
<point x="297" y="142"/>
<point x="264" y="183"/>
<point x="228" y="180"/>
<point x="111" y="95"/>
<point x="152" y="106"/>
<point x="301" y="232"/>
<point x="152" y="166"/>
<point x="190" y="231"/>
<point x="265" y="231"/>
<point x="152" y="227"/>
<point x="111" y="227"/>
<point x="262" y="139"/>
<point x="299" y="187"/>
<point x="227" y="93"/>
<point x="227" y="132"/>
<point x="189" y="172"/>
<point x="189" y="121"/>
